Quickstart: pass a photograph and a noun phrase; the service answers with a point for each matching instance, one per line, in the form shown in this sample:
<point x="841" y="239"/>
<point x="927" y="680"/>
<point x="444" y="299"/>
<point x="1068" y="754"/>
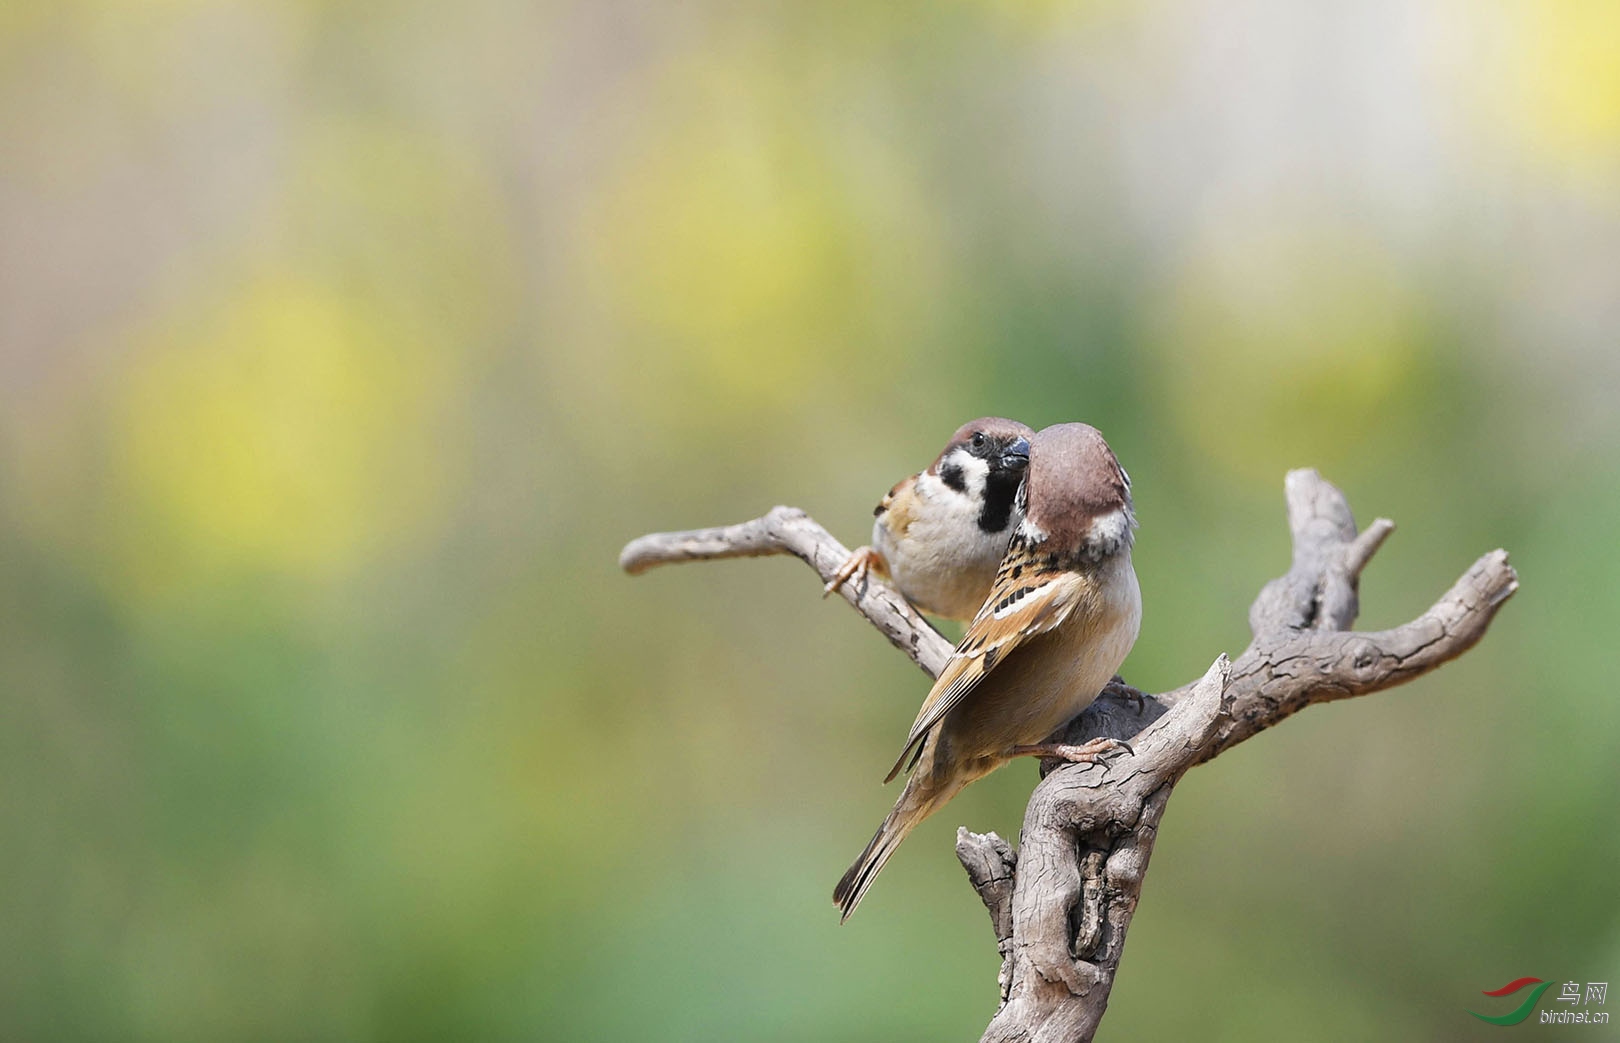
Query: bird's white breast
<point x="939" y="557"/>
<point x="1051" y="687"/>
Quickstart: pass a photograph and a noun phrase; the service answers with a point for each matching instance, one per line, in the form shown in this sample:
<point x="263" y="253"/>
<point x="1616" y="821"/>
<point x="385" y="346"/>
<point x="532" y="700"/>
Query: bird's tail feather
<point x="913" y="806"/>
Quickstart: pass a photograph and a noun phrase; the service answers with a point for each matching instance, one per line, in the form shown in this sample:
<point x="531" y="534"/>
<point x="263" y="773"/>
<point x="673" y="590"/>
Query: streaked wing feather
<point x="1024" y="602"/>
<point x="888" y="498"/>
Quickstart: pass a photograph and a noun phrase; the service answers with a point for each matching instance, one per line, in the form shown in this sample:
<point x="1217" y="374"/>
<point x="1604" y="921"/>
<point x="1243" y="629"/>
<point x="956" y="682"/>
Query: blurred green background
<point x="342" y="345"/>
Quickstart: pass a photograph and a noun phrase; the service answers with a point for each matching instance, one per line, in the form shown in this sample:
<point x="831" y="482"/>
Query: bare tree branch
<point x="788" y="530"/>
<point x="1062" y="905"/>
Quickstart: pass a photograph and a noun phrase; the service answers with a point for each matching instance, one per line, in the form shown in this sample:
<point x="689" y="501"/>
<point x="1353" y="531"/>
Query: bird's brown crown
<point x="996" y="433"/>
<point x="1076" y="493"/>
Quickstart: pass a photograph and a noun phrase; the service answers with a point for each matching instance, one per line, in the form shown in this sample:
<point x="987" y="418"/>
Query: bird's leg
<point x="855" y="567"/>
<point x="1089" y="753"/>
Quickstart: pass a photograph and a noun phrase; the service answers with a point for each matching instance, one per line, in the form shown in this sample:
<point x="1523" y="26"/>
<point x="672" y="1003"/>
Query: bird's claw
<point x="1118" y="689"/>
<point x="1086" y="753"/>
<point x="854" y="567"/>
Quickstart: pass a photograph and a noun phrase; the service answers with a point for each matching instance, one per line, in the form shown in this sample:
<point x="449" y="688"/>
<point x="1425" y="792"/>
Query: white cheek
<point x="1111" y="529"/>
<point x="975" y="475"/>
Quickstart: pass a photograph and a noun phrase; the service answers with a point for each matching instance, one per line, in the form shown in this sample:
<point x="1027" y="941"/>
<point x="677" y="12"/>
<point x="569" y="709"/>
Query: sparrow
<point x="1060" y="617"/>
<point x="940" y="534"/>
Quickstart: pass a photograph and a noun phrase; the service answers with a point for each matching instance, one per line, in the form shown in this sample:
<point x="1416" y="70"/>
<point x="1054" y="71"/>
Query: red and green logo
<point x="1523" y="1010"/>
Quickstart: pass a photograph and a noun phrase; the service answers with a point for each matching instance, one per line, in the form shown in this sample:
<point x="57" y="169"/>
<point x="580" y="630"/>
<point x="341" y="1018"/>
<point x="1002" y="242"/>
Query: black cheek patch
<point x="953" y="478"/>
<point x="999" y="495"/>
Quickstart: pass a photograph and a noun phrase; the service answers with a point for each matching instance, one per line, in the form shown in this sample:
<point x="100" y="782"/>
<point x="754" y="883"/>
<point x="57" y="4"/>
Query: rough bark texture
<point x="1062" y="905"/>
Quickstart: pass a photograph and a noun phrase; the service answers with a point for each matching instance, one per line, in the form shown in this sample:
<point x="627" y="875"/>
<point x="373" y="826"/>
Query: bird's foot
<point x="860" y="561"/>
<point x="1087" y="753"/>
<point x="1118" y="689"/>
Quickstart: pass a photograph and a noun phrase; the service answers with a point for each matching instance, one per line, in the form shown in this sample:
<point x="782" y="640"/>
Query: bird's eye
<point x="978" y="439"/>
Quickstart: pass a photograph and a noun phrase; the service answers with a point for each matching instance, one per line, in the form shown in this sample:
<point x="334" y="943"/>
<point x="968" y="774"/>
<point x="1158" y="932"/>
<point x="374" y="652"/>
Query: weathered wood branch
<point x="788" y="530"/>
<point x="1062" y="905"/>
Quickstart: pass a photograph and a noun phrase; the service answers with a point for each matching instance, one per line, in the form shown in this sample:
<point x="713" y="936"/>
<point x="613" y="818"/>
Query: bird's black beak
<point x="1016" y="456"/>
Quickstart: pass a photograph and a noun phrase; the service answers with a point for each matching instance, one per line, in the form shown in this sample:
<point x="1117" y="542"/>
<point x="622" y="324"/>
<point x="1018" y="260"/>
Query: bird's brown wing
<point x="896" y="501"/>
<point x="1028" y="598"/>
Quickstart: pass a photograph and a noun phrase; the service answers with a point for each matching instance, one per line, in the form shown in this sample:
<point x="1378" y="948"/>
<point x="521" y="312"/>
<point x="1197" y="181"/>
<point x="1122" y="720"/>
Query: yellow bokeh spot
<point x="1287" y="349"/>
<point x="1571" y="77"/>
<point x="725" y="250"/>
<point x="727" y="247"/>
<point x="405" y="219"/>
<point x="290" y="431"/>
<point x="1548" y="86"/>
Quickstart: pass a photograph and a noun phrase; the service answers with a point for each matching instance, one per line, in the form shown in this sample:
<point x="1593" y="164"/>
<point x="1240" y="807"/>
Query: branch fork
<point x="1061" y="906"/>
